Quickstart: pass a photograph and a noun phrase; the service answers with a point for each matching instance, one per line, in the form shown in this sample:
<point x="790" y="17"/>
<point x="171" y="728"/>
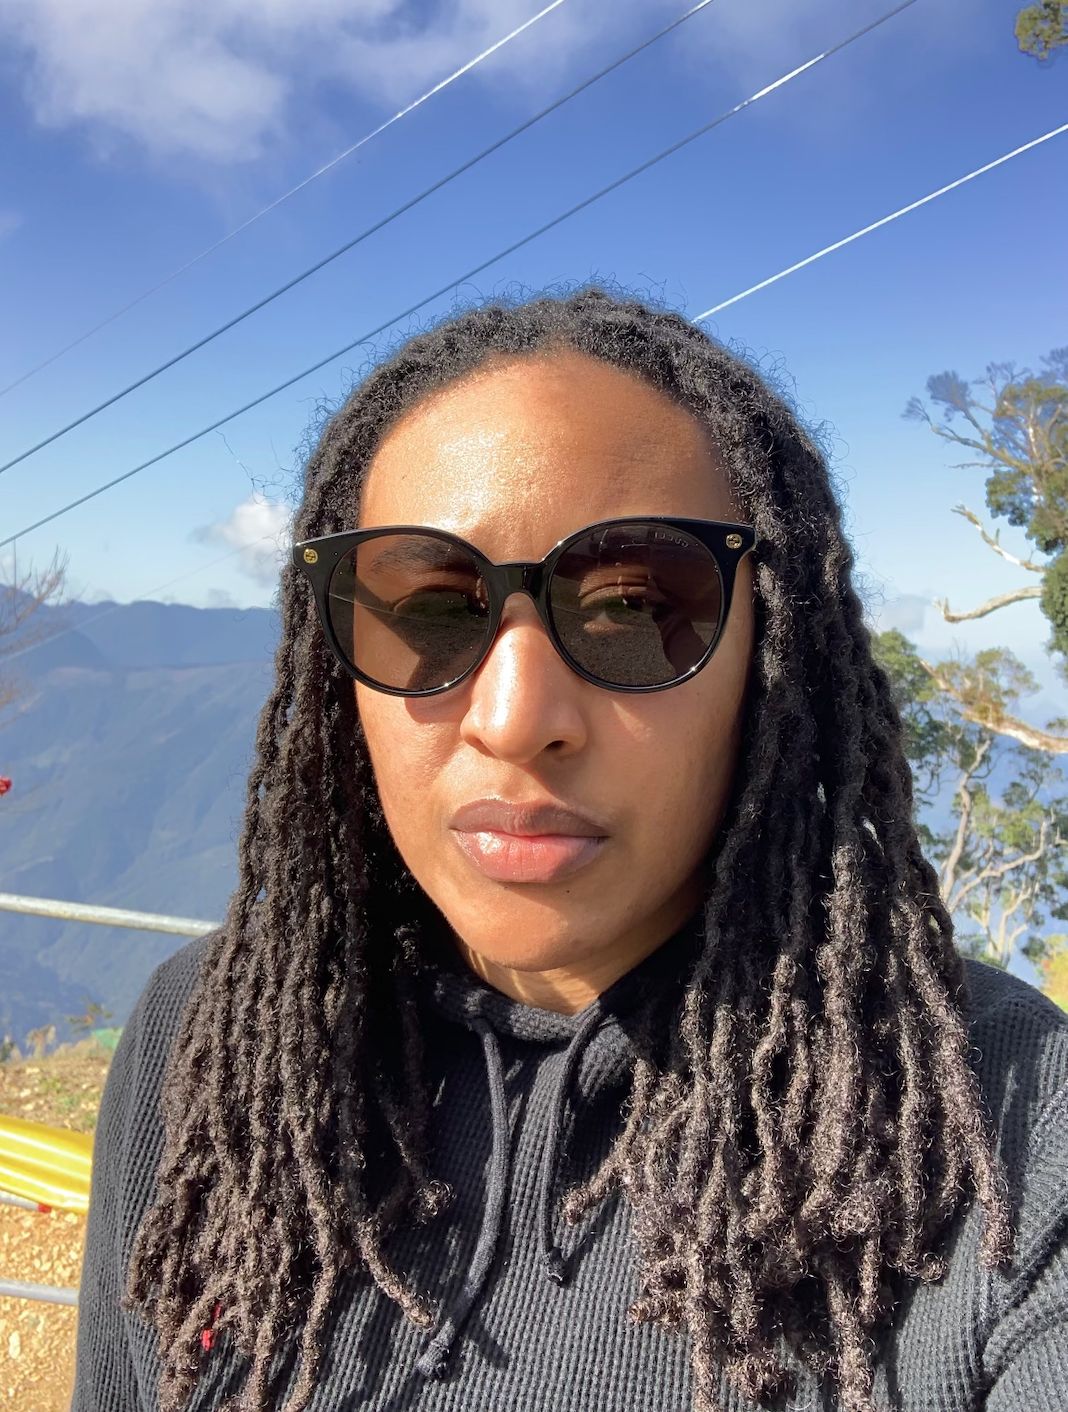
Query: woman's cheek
<point x="407" y="774"/>
<point x="681" y="769"/>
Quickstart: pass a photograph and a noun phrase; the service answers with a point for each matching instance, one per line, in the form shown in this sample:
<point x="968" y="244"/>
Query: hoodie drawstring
<point x="434" y="1357"/>
<point x="432" y="1362"/>
<point x="551" y="1258"/>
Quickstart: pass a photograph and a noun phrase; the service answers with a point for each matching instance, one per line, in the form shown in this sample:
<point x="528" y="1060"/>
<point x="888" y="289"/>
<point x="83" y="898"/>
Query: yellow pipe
<point x="51" y="1166"/>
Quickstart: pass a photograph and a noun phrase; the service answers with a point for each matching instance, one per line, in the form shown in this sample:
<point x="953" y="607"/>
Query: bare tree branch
<point x="1015" y="898"/>
<point x="991" y="875"/>
<point x="994" y="541"/>
<point x="23" y="594"/>
<point x="1002" y="600"/>
<point x="949" y="867"/>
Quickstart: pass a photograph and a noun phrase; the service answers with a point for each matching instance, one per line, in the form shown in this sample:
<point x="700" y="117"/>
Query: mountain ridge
<point x="129" y="752"/>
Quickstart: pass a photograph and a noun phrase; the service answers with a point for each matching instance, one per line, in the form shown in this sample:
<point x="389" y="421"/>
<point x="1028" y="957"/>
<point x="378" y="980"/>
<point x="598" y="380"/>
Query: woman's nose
<point x="524" y="698"/>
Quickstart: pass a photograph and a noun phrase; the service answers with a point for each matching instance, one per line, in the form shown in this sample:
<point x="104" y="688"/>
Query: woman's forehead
<point x="533" y="449"/>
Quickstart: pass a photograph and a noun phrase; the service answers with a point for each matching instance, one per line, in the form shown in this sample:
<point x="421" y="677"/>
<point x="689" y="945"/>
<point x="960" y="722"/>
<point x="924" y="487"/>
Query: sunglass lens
<point x="637" y="605"/>
<point x="410" y="611"/>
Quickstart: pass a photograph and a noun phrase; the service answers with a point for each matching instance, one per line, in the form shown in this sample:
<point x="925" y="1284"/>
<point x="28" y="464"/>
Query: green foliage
<point x="989" y="684"/>
<point x="1001" y="860"/>
<point x="1029" y="435"/>
<point x="1055" y="602"/>
<point x="1018" y="424"/>
<point x="1043" y="28"/>
<point x="936" y="736"/>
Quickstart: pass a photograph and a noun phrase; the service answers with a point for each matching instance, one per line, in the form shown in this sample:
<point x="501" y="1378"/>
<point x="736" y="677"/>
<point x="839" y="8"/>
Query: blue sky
<point x="138" y="132"/>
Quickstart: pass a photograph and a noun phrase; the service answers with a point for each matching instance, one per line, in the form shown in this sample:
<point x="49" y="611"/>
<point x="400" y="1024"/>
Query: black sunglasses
<point x="630" y="604"/>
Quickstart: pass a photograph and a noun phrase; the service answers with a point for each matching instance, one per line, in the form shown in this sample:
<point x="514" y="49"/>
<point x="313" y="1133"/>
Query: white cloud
<point x="9" y="221"/>
<point x="905" y="613"/>
<point x="219" y="78"/>
<point x="258" y="529"/>
<point x="772" y="29"/>
<point x="225" y="79"/>
<point x="749" y="43"/>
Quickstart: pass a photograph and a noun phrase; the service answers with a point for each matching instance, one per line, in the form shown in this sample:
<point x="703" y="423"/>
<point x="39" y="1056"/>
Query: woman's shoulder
<point x="991" y="988"/>
<point x="170" y="985"/>
<point x="1020" y="1048"/>
<point x="1020" y="1051"/>
<point x="150" y="1031"/>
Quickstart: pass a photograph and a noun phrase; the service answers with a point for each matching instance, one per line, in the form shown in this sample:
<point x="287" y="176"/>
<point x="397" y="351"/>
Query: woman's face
<point x="514" y="459"/>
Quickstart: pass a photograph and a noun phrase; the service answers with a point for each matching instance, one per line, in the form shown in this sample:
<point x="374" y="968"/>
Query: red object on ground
<point x="5" y="784"/>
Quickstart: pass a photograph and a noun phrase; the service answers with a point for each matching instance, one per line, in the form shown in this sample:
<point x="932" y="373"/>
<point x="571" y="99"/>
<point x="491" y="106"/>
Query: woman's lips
<point x="527" y="841"/>
<point x="508" y="857"/>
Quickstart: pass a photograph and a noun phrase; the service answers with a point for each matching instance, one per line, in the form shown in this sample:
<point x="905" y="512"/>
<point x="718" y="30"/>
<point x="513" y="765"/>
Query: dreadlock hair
<point x="799" y="1149"/>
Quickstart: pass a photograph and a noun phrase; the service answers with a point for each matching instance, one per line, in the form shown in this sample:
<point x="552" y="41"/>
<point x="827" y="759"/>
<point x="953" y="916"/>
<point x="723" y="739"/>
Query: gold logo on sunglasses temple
<point x="734" y="541"/>
<point x="311" y="556"/>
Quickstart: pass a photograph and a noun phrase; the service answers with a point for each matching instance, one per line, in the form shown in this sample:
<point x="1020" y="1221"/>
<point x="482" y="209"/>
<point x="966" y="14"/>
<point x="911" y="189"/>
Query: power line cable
<point x="753" y="289"/>
<point x="914" y="205"/>
<point x="321" y="171"/>
<point x="462" y="279"/>
<point x="351" y="244"/>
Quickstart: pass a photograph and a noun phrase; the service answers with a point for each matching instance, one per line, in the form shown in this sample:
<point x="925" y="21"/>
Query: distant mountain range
<point x="128" y="756"/>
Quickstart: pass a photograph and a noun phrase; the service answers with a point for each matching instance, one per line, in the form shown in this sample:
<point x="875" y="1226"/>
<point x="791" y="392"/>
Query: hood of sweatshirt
<point x="599" y="1045"/>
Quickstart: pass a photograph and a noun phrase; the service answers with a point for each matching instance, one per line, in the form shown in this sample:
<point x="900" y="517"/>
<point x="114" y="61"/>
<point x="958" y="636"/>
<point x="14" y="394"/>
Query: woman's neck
<point x="569" y="989"/>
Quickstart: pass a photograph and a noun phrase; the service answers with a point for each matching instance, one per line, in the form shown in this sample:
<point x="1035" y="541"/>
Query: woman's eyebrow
<point x="413" y="552"/>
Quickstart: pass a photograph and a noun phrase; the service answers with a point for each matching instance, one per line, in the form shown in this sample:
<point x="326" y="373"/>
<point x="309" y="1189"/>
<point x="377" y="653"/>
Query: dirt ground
<point x="37" y="1339"/>
<point x="62" y="1089"/>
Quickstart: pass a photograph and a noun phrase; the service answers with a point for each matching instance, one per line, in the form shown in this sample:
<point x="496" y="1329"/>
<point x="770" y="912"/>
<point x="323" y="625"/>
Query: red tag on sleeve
<point x="207" y="1336"/>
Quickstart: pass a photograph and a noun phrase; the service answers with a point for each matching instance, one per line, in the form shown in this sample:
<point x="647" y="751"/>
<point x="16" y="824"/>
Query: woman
<point x="586" y="1030"/>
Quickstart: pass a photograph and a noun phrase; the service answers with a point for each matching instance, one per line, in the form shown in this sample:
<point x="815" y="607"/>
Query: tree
<point x="24" y="594"/>
<point x="93" y="1017"/>
<point x="1014" y="424"/>
<point x="998" y="838"/>
<point x="1003" y="866"/>
<point x="985" y="690"/>
<point x="1043" y="28"/>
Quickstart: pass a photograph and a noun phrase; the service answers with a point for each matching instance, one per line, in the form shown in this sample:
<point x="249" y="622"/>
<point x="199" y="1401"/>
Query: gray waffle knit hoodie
<point x="534" y="1316"/>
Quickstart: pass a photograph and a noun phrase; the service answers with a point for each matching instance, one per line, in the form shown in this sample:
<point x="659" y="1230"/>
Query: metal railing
<point x="50" y="1294"/>
<point x="102" y="916"/>
<point x="24" y="1289"/>
<point x="105" y="916"/>
<point x="8" y="1198"/>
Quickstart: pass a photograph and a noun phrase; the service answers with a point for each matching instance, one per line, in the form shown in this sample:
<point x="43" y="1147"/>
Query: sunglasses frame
<point x="318" y="558"/>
